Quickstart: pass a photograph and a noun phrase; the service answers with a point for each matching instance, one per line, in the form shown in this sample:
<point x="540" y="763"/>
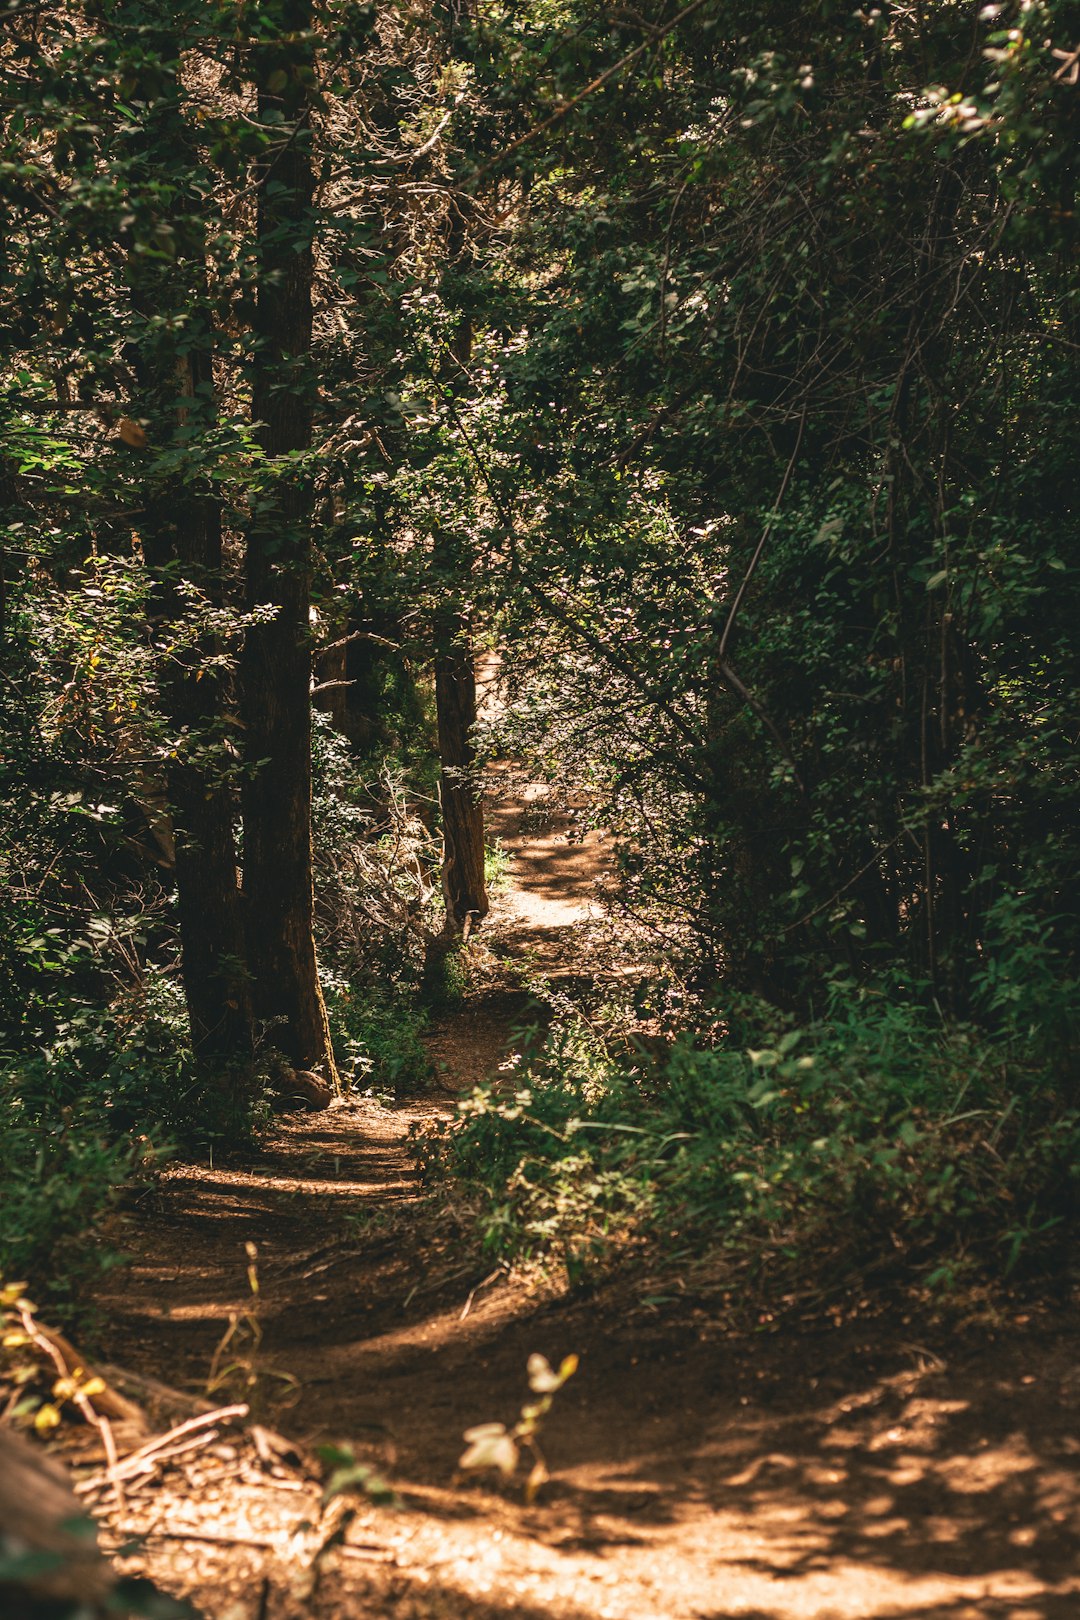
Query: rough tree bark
<point x="181" y="532"/>
<point x="276" y="663"/>
<point x="182" y="540"/>
<point x="464" y="887"/>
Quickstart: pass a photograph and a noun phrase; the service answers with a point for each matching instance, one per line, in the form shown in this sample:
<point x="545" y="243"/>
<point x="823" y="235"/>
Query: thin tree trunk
<point x="462" y="811"/>
<point x="7" y="502"/>
<point x="464" y="888"/>
<point x="276" y="665"/>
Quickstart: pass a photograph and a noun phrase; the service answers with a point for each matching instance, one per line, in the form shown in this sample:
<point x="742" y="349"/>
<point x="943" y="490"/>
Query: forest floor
<point x="870" y="1465"/>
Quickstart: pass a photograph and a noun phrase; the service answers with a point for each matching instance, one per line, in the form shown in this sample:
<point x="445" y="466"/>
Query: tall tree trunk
<point x="7" y="478"/>
<point x="462" y="811"/>
<point x="7" y="502"/>
<point x="276" y="665"/>
<point x="182" y="535"/>
<point x="182" y="543"/>
<point x="464" y="888"/>
<point x="208" y="900"/>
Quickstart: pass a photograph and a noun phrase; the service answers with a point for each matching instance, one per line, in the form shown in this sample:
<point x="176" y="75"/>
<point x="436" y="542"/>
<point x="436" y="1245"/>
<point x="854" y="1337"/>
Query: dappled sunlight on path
<point x="699" y="1473"/>
<point x="554" y="868"/>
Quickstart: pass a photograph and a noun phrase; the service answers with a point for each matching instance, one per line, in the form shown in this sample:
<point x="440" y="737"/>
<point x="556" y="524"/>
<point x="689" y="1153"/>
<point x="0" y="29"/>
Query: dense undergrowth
<point x="875" y="1142"/>
<point x="98" y="1084"/>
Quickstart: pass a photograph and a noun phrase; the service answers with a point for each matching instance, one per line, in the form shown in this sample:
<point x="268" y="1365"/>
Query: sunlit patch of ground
<point x="858" y="1469"/>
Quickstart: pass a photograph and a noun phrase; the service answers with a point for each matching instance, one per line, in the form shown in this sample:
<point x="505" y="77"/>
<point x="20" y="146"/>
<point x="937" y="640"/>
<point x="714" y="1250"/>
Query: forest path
<point x="851" y="1470"/>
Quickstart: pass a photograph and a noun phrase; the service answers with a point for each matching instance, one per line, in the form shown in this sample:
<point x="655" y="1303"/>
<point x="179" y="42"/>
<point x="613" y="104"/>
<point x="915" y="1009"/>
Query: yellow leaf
<point x="568" y="1367"/>
<point x="46" y="1418"/>
<point x="542" y="1381"/>
<point x="65" y="1388"/>
<point x="538" y="1475"/>
<point x="15" y="1340"/>
<point x="94" y="1386"/>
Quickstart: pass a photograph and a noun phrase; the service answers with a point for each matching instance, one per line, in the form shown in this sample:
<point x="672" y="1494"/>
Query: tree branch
<point x="590" y="89"/>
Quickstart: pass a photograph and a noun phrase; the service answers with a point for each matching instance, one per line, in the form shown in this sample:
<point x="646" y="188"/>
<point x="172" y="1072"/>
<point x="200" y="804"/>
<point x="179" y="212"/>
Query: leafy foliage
<point x="494" y="1446"/>
<point x="716" y="364"/>
<point x="871" y="1142"/>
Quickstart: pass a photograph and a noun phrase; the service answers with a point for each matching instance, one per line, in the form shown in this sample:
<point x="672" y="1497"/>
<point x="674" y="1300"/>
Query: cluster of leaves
<point x="874" y="1142"/>
<point x="37" y="1396"/>
<point x="376" y="862"/>
<point x="772" y="448"/>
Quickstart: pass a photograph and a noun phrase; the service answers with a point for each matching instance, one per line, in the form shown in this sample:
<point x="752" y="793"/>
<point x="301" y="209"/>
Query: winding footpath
<point x="853" y="1470"/>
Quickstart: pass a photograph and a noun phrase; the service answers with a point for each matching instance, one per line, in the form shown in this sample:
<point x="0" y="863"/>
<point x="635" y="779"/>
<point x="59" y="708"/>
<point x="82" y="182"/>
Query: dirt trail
<point x="849" y="1473"/>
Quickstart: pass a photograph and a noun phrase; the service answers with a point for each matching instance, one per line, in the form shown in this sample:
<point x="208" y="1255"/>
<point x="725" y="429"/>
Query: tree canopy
<point x="713" y="365"/>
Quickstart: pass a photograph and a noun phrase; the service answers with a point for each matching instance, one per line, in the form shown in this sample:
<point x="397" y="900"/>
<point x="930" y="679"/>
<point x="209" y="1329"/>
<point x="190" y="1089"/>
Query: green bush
<point x="378" y="1036"/>
<point x="542" y="1147"/>
<point x="66" y="1155"/>
<point x="877" y="1138"/>
<point x="98" y="1100"/>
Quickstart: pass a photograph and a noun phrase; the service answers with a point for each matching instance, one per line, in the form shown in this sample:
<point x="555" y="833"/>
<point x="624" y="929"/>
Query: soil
<point x="873" y="1464"/>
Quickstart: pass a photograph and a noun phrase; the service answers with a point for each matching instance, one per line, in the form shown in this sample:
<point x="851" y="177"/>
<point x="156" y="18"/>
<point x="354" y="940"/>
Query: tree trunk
<point x="464" y="888"/>
<point x="276" y="665"/>
<point x="462" y="811"/>
<point x="47" y="1541"/>
<point x="182" y="543"/>
<point x="183" y="527"/>
<point x="7" y="503"/>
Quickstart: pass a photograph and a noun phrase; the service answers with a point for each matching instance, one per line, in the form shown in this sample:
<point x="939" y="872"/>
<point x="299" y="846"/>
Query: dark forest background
<point x="714" y="367"/>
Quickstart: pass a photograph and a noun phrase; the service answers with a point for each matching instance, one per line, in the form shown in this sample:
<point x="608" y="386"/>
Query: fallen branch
<point x="47" y="1344"/>
<point x="107" y="1400"/>
<point x="467" y="1307"/>
<point x="129" y="1467"/>
<point x="371" y="1552"/>
<point x="152" y="1392"/>
<point x="122" y="1534"/>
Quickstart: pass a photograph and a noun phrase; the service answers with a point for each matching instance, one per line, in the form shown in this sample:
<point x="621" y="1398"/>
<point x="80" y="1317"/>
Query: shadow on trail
<point x="767" y="1464"/>
<point x="811" y="1474"/>
<point x="967" y="1474"/>
<point x="959" y="1476"/>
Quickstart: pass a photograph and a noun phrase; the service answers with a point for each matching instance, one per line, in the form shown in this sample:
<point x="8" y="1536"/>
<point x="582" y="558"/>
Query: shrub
<point x="378" y="1036"/>
<point x="94" y="1104"/>
<point x="876" y="1138"/>
<point x="64" y="1161"/>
